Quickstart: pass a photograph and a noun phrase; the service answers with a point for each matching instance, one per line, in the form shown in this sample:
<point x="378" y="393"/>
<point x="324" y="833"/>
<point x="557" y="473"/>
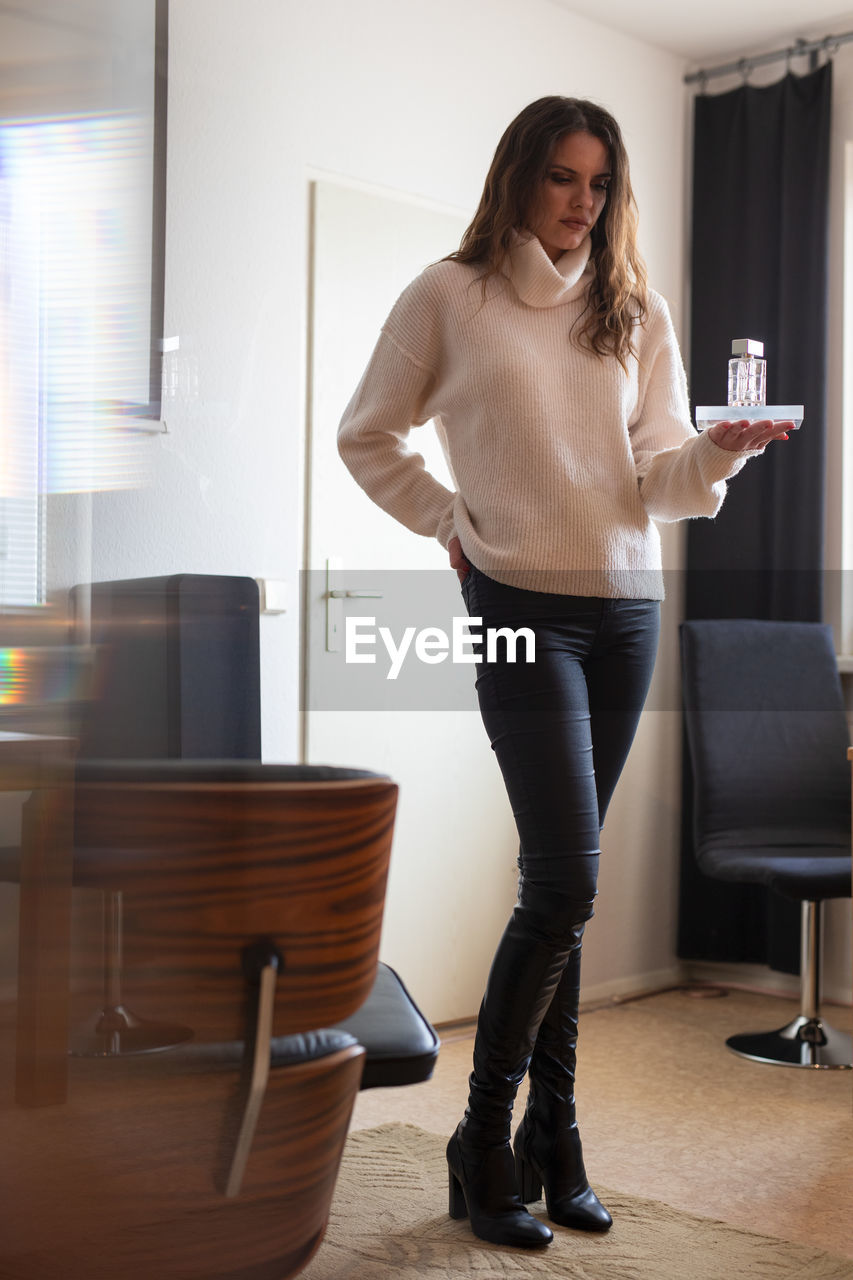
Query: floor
<point x="668" y="1112"/>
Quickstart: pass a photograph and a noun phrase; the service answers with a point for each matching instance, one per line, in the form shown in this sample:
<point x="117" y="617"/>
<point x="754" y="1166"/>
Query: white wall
<point x="413" y="98"/>
<point x="401" y="95"/>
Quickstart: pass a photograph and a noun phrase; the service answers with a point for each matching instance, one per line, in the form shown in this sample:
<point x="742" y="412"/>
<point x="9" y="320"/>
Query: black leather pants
<point x="561" y="728"/>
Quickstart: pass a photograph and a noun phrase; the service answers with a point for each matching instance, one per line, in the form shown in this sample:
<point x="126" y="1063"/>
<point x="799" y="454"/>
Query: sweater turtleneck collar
<point x="539" y="282"/>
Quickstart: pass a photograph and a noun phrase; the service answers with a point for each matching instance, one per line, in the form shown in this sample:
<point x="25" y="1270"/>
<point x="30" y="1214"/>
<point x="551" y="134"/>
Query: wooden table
<point x="44" y="766"/>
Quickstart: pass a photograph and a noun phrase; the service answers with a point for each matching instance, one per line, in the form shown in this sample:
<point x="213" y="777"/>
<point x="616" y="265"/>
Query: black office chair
<point x="768" y="739"/>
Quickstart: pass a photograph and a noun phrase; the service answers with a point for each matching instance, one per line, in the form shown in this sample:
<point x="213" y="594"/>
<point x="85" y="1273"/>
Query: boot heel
<point x="529" y="1182"/>
<point x="457" y="1207"/>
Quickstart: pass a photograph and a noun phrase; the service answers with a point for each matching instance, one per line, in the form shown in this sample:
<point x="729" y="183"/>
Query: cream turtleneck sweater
<point x="561" y="459"/>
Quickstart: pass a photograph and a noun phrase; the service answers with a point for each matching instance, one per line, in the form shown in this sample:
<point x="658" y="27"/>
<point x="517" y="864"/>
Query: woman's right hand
<point x="457" y="560"/>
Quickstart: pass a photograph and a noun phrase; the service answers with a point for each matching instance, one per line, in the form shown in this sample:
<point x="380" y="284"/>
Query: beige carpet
<point x="389" y="1221"/>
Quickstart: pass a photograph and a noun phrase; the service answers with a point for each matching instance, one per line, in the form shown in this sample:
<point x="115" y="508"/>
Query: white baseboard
<point x="753" y="977"/>
<point x="748" y="977"/>
<point x="632" y="985"/>
<point x="759" y="977"/>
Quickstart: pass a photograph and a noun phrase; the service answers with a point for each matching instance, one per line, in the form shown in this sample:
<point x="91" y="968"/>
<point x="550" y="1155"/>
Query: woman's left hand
<point x="457" y="559"/>
<point x="745" y="436"/>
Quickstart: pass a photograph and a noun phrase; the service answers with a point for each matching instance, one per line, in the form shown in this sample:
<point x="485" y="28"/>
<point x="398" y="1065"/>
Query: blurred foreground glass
<point x="80" y="319"/>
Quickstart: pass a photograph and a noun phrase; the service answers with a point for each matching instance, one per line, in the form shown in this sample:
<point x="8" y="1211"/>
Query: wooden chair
<point x="252" y="901"/>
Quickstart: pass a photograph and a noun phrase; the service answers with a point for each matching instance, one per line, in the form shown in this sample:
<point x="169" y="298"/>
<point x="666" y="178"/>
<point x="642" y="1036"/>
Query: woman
<point x="559" y="394"/>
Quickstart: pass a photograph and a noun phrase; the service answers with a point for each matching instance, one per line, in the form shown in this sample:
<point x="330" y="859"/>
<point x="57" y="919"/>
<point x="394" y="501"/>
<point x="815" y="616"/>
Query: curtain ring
<point x="703" y="83"/>
<point x="745" y="68"/>
<point x="789" y="53"/>
<point x="831" y="47"/>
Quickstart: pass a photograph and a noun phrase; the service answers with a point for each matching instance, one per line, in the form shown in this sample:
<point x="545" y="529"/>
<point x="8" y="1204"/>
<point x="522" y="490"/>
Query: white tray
<point x="707" y="415"/>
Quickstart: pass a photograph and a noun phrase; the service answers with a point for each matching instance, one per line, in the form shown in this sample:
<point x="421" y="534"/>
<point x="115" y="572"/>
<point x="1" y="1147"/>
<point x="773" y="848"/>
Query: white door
<point x="453" y="872"/>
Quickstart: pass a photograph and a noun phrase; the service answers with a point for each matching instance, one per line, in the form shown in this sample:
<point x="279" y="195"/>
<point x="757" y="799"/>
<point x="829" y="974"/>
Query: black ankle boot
<point x="482" y="1188"/>
<point x="547" y="1142"/>
<point x="524" y="975"/>
<point x="553" y="1158"/>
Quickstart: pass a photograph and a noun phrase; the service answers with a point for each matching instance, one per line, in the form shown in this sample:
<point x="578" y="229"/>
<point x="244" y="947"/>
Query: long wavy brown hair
<point x="617" y="295"/>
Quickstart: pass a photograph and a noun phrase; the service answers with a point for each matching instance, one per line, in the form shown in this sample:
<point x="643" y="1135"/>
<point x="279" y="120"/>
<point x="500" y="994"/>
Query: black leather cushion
<point x="401" y="1044"/>
<point x="230" y="1055"/>
<point x="286" y="1051"/>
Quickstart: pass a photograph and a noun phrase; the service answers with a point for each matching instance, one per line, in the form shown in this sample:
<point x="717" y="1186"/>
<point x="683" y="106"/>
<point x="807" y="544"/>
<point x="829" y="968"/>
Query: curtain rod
<point x="828" y="45"/>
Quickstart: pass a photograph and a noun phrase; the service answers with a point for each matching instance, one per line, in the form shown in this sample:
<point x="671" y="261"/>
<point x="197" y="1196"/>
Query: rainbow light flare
<point x="43" y="674"/>
<point x="16" y="677"/>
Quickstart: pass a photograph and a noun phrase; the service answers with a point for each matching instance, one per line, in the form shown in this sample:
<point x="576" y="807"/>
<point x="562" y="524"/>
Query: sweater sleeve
<point x="681" y="473"/>
<point x="388" y="402"/>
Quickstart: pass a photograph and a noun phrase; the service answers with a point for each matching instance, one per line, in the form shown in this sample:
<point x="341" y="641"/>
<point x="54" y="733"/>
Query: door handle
<point x="354" y="595"/>
<point x="334" y="606"/>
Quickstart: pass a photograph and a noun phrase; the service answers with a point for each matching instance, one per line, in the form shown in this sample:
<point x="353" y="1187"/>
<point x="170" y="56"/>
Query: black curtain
<point x="759" y="270"/>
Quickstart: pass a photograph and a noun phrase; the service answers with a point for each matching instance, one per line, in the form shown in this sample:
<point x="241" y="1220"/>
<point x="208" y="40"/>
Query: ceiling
<point x="699" y="32"/>
<point x="702" y="33"/>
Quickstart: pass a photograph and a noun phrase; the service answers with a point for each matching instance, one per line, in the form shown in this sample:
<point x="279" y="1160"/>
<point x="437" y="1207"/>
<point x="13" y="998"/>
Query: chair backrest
<point x="211" y="856"/>
<point x="767" y="729"/>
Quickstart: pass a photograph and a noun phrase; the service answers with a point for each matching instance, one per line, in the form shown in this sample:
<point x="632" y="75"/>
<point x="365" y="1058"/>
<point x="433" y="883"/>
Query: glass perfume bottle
<point x="747" y="373"/>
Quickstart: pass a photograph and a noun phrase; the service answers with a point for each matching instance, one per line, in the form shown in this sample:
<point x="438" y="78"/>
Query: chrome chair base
<point x="116" y="1032"/>
<point x="805" y="1042"/>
